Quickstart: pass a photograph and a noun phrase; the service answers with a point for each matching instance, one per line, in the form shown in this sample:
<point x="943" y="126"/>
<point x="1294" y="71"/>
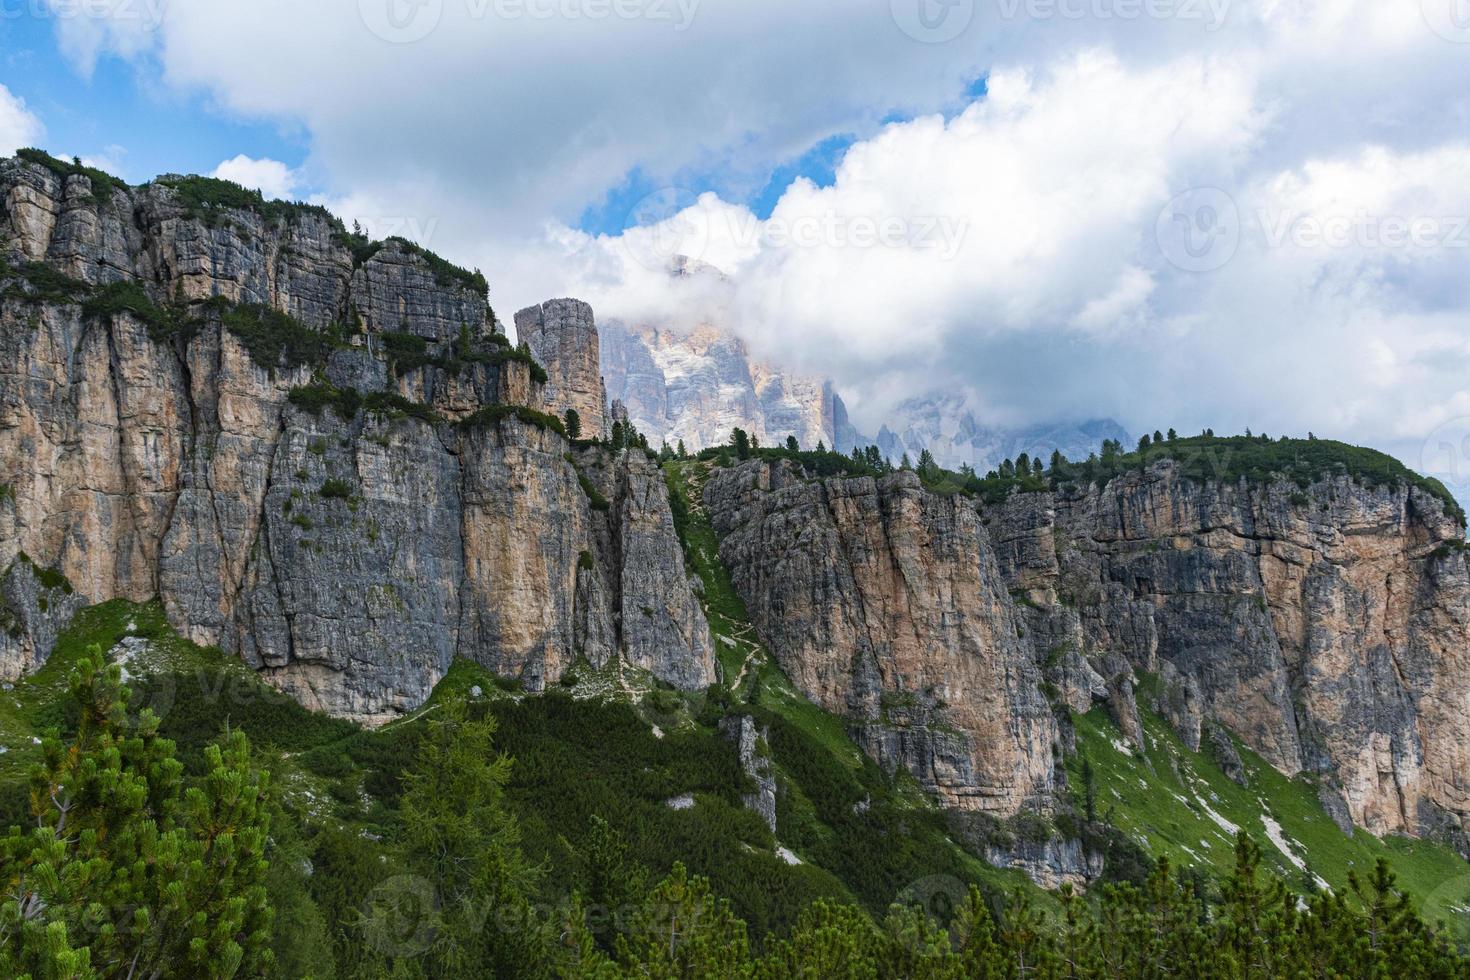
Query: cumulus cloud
<point x="1189" y="219"/>
<point x="18" y="125"/>
<point x="271" y="177"/>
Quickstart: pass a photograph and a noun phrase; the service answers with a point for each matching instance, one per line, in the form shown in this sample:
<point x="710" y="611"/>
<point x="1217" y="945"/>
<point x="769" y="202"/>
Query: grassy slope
<point x="1175" y="800"/>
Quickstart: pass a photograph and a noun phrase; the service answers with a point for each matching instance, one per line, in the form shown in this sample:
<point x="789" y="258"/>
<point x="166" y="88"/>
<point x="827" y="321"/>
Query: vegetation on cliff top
<point x="103" y="184"/>
<point x="209" y="199"/>
<point x="1256" y="459"/>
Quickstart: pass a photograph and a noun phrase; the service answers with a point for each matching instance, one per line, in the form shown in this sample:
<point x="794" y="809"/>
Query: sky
<point x="1176" y="213"/>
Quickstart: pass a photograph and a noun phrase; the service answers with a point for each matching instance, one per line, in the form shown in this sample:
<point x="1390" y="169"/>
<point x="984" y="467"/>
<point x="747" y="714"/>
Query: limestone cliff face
<point x="563" y="335"/>
<point x="1329" y="628"/>
<point x="348" y="519"/>
<point x="883" y="603"/>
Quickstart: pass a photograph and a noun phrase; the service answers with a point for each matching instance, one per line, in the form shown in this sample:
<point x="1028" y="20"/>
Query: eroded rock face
<point x="562" y="333"/>
<point x="347" y="553"/>
<point x="695" y="386"/>
<point x="1329" y="628"/>
<point x="884" y="604"/>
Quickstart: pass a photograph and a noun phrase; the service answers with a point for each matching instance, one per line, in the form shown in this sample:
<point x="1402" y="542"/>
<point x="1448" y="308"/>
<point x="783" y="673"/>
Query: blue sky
<point x="121" y="114"/>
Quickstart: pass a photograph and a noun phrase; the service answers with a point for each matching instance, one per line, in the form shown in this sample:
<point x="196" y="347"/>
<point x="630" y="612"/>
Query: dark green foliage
<point x="209" y="199"/>
<point x="38" y="283"/>
<point x="410" y="352"/>
<point x="1260" y="460"/>
<point x="523" y="355"/>
<point x="391" y="405"/>
<point x="740" y="439"/>
<point x="125" y="871"/>
<point x="319" y="396"/>
<point x="493" y="414"/>
<point x="406" y="351"/>
<point x="103" y="184"/>
<point x="446" y="273"/>
<point x="573" y="422"/>
<point x="346" y="402"/>
<point x="49" y="578"/>
<point x="163" y="322"/>
<point x="274" y="339"/>
<point x="1227" y="459"/>
<point x="335" y="489"/>
<point x="594" y="496"/>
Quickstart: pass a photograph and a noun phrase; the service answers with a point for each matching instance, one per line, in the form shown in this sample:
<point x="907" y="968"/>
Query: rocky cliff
<point x="318" y="452"/>
<point x="1328" y="627"/>
<point x="562" y="334"/>
<point x="884" y="604"/>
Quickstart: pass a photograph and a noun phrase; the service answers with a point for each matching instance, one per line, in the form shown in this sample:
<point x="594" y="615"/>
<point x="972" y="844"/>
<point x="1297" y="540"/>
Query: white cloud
<point x="1024" y="266"/>
<point x="271" y="177"/>
<point x="19" y="127"/>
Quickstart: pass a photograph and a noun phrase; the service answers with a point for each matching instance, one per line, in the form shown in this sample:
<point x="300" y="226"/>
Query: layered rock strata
<point x="318" y="453"/>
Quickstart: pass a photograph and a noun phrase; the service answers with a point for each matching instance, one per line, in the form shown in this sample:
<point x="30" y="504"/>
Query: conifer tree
<point x="128" y="873"/>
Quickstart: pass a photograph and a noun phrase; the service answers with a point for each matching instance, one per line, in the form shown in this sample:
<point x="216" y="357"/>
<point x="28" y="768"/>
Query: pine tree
<point x="462" y="842"/>
<point x="821" y="446"/>
<point x="682" y="452"/>
<point x="740" y="439"/>
<point x="154" y="879"/>
<point x="573" y="422"/>
<point x="792" y="446"/>
<point x="682" y="930"/>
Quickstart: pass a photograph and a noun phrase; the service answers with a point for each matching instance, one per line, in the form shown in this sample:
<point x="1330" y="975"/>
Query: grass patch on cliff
<point x="1255" y="459"/>
<point x="494" y="414"/>
<point x="273" y="338"/>
<point x="104" y="184"/>
<point x="209" y="199"/>
<point x="38" y="283"/>
<point x="1180" y="805"/>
